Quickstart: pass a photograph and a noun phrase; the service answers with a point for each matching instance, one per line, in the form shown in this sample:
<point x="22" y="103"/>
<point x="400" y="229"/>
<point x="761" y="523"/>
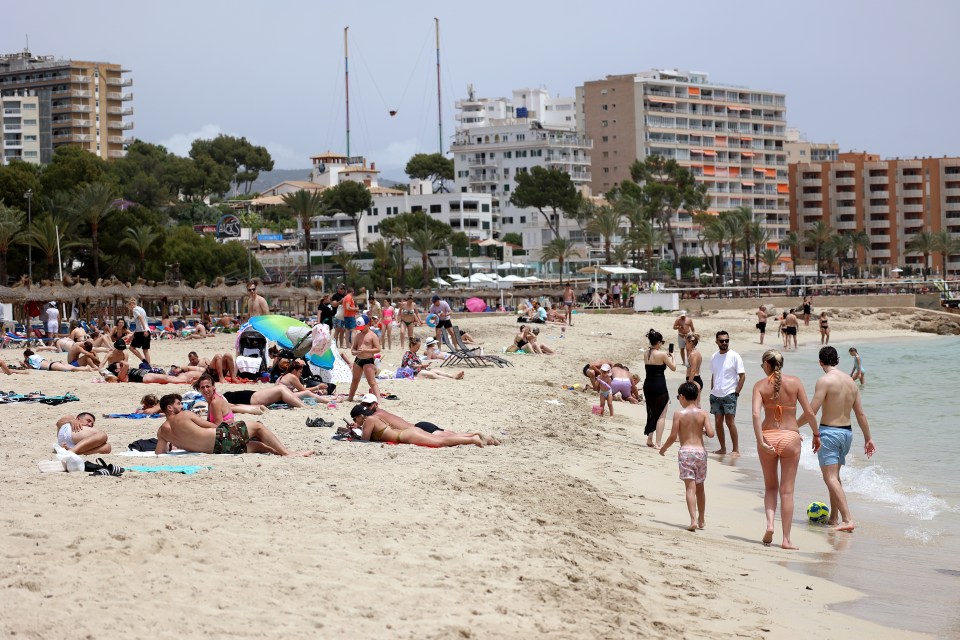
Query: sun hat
<point x="604" y="367"/>
<point x="431" y="341"/>
<point x="368" y="398"/>
<point x="53" y="304"/>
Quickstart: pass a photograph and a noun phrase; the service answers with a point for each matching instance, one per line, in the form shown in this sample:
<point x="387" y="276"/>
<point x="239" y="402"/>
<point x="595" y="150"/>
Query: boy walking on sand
<point x="689" y="425"/>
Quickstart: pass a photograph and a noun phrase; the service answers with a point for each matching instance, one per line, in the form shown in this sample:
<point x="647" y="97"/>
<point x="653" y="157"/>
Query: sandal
<point x="107" y="469"/>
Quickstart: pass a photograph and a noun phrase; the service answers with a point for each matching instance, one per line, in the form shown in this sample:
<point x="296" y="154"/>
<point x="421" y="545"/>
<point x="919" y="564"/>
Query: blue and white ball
<point x="818" y="512"/>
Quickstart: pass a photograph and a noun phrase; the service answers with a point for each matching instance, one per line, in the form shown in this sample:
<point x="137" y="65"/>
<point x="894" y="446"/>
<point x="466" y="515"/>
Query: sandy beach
<point x="571" y="529"/>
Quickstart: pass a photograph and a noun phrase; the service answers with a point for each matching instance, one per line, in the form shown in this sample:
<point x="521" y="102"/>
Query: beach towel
<point x="346" y="437"/>
<point x="36" y="396"/>
<point x="151" y="454"/>
<point x="185" y="469"/>
<point x="133" y="416"/>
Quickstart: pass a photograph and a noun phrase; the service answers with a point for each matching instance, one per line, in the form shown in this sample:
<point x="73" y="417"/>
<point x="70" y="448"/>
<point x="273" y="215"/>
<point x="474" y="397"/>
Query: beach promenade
<point x="572" y="529"/>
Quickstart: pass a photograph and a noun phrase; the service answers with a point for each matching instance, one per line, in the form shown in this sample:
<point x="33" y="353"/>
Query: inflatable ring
<point x="433" y="320"/>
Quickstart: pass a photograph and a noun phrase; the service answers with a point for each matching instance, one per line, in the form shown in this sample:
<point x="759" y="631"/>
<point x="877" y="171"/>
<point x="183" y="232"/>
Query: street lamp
<point x="29" y="196"/>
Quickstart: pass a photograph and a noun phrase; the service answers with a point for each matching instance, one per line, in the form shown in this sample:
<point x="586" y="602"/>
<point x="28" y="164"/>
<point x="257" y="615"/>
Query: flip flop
<point x="389" y="396"/>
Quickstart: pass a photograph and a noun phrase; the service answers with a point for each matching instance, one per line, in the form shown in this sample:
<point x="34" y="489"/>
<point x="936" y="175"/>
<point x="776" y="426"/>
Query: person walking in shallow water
<point x="837" y="395"/>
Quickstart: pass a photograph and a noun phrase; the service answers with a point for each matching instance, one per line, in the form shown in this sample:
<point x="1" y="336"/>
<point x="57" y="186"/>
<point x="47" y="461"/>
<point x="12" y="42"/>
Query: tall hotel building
<point x="732" y="139"/>
<point x="892" y="200"/>
<point x="77" y="103"/>
<point x="497" y="138"/>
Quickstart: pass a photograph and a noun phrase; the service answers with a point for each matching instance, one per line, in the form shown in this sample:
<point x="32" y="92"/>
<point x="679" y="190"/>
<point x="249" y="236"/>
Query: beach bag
<point x="339" y="314"/>
<point x="247" y="364"/>
<point x="146" y="444"/>
<point x="406" y="373"/>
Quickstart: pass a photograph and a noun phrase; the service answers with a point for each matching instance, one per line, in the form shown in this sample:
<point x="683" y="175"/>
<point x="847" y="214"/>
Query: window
<point x="485" y="208"/>
<point x="375" y="212"/>
<point x="506" y="172"/>
<point x="486" y="224"/>
<point x="521" y="137"/>
<point x="604" y="123"/>
<point x="29" y="106"/>
<point x="415" y="208"/>
<point x="603" y="107"/>
<point x="28" y="123"/>
<point x="506" y="188"/>
<point x="507" y="154"/>
<point x="523" y="219"/>
<point x="436" y="208"/>
<point x="605" y="139"/>
<point x="507" y="220"/>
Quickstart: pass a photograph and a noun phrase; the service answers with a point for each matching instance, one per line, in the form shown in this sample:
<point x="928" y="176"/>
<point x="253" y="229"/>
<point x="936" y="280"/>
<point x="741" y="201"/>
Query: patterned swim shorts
<point x="693" y="464"/>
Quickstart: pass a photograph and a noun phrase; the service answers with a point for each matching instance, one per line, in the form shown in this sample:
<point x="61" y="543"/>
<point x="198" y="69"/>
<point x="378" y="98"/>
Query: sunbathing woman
<point x="33" y="361"/>
<point x="432" y="351"/>
<point x="778" y="439"/>
<point x="149" y="405"/>
<point x="411" y="366"/>
<point x="219" y="408"/>
<point x="292" y="381"/>
<point x="376" y="430"/>
<point x="521" y="341"/>
<point x="266" y="396"/>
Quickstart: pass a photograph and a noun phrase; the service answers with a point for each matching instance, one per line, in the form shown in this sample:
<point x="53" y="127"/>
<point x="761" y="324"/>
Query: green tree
<point x="561" y="250"/>
<point x="92" y="204"/>
<point x="345" y="262"/>
<point x="142" y="240"/>
<point x="382" y="258"/>
<point x="239" y="158"/>
<point x="48" y="235"/>
<point x="16" y="179"/>
<point x="840" y="245"/>
<point x="818" y="237"/>
<point x="397" y="229"/>
<point x="430" y="166"/>
<point x="644" y="237"/>
<point x="306" y="205"/>
<point x="946" y="245"/>
<point x="605" y="222"/>
<point x="72" y="167"/>
<point x="544" y="189"/>
<point x="423" y="241"/>
<point x="793" y="243"/>
<point x="860" y="240"/>
<point x="770" y="258"/>
<point x="757" y="237"/>
<point x="666" y="189"/>
<point x="351" y="198"/>
<point x="736" y="222"/>
<point x="201" y="258"/>
<point x="923" y="242"/>
<point x="11" y="222"/>
<point x="513" y="238"/>
<point x="141" y="174"/>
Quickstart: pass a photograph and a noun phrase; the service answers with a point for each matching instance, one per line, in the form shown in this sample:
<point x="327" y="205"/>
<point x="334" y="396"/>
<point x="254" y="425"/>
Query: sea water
<point x="905" y="500"/>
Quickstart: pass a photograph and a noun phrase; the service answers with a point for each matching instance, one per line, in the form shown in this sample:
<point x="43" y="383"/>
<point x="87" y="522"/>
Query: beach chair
<point x="16" y="341"/>
<point x="40" y="337"/>
<point x="477" y="351"/>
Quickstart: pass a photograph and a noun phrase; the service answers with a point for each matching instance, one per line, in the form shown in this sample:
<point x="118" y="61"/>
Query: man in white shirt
<point x="141" y="331"/>
<point x="727" y="378"/>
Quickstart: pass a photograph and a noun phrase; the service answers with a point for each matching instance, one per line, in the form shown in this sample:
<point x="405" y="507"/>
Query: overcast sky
<point x="871" y="75"/>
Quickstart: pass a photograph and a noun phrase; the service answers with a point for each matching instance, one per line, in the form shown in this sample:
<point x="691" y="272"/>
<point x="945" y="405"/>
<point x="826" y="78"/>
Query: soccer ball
<point x="818" y="512"/>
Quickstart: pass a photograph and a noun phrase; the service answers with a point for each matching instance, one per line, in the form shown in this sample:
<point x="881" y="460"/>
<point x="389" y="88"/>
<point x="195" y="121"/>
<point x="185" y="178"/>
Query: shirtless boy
<point x="689" y="425"/>
<point x="569" y="299"/>
<point x="790" y="326"/>
<point x="79" y="436"/>
<point x="684" y="327"/>
<point x="837" y="394"/>
<point x="365" y="346"/>
<point x="762" y="322"/>
<point x="187" y="431"/>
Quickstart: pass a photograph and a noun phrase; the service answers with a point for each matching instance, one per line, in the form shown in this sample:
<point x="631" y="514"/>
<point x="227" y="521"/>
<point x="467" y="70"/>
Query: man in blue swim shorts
<point x="837" y="394"/>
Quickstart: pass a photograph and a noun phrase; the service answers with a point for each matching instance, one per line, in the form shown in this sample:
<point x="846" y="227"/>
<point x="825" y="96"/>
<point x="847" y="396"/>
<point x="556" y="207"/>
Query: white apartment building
<point x="732" y="139"/>
<point x="799" y="149"/>
<point x="497" y="138"/>
<point x="21" y="129"/>
<point x="469" y="212"/>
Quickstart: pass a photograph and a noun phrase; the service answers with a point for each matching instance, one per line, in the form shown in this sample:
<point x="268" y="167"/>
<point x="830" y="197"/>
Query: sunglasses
<point x="724" y="341"/>
<point x="252" y="290"/>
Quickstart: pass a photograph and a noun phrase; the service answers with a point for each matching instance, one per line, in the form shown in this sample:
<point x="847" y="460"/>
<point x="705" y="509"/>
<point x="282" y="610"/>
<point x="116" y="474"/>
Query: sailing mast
<point x="346" y="80"/>
<point x="439" y="103"/>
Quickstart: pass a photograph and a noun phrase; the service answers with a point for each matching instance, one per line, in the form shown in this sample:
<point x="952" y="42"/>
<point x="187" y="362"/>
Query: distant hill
<point x="269" y="179"/>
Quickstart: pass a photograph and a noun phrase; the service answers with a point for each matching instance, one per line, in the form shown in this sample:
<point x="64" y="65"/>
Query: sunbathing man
<point x="369" y="401"/>
<point x="79" y="436"/>
<point x="123" y="373"/>
<point x="218" y="367"/>
<point x="81" y="354"/>
<point x="188" y="431"/>
<point x="375" y="429"/>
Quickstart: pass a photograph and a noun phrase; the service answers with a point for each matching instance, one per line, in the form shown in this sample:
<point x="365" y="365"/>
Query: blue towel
<point x="185" y="469"/>
<point x="133" y="416"/>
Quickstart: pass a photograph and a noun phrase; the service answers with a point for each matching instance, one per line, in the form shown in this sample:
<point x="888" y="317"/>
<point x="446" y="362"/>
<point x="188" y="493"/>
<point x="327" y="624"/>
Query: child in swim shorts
<point x="689" y="426"/>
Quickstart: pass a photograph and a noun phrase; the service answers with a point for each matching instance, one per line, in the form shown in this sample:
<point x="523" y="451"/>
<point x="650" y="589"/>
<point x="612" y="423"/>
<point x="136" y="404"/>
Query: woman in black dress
<point x="655" y="393"/>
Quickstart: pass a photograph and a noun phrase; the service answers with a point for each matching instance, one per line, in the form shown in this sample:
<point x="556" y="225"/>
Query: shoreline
<point x="570" y="529"/>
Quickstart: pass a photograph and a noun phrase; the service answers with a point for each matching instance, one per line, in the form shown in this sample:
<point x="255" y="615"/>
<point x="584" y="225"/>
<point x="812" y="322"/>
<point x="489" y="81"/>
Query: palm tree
<point x="646" y="235"/>
<point x="424" y="241"/>
<point x="306" y="205"/>
<point x="92" y="204"/>
<point x="141" y="240"/>
<point x="345" y="262"/>
<point x="924" y="242"/>
<point x="11" y="221"/>
<point x="736" y="223"/>
<point x="399" y="230"/>
<point x="605" y="223"/>
<point x="841" y="244"/>
<point x="818" y="237"/>
<point x="621" y="252"/>
<point x="946" y="246"/>
<point x="382" y="252"/>
<point x="758" y="237"/>
<point x="561" y="250"/>
<point x="633" y="210"/>
<point x="714" y="234"/>
<point x="792" y="242"/>
<point x="770" y="258"/>
<point x="47" y="234"/>
<point x="860" y="240"/>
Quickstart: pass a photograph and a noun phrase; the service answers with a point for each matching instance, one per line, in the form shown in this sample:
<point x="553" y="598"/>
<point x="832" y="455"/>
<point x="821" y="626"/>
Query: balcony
<point x="878" y="180"/>
<point x="879" y="253"/>
<point x="119" y="82"/>
<point x="878" y="194"/>
<point x="70" y="93"/>
<point x="879" y="224"/>
<point x="845" y="211"/>
<point x="116" y="154"/>
<point x="912" y="191"/>
<point x="70" y="122"/>
<point x="850" y="225"/>
<point x="567" y="160"/>
<point x="844" y="181"/>
<point x="883" y="208"/>
<point x="951" y="192"/>
<point x="11" y="112"/>
<point x="72" y="137"/>
<point x="811" y="182"/>
<point x="13" y="128"/>
<point x="123" y="126"/>
<point x="124" y="97"/>
<point x="13" y="144"/>
<point x="912" y="208"/>
<point x="910" y="179"/>
<point x="120" y="111"/>
<point x="482" y="162"/>
<point x="880" y="238"/>
<point x="80" y="79"/>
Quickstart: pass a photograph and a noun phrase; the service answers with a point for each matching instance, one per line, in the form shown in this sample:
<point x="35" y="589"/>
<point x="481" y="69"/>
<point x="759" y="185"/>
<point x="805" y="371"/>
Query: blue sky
<point x="875" y="76"/>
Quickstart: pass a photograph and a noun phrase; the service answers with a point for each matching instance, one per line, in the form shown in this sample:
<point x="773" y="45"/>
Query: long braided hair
<point x="775" y="360"/>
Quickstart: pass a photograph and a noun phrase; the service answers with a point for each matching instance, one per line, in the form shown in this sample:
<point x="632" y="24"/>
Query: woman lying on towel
<point x="221" y="407"/>
<point x="376" y="430"/>
<point x="33" y="361"/>
<point x="293" y="380"/>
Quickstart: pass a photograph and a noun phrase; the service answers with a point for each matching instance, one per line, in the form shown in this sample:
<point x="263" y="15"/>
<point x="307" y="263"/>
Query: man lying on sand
<point x="123" y="373"/>
<point x="188" y="431"/>
<point x="369" y="401"/>
<point x="79" y="436"/>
